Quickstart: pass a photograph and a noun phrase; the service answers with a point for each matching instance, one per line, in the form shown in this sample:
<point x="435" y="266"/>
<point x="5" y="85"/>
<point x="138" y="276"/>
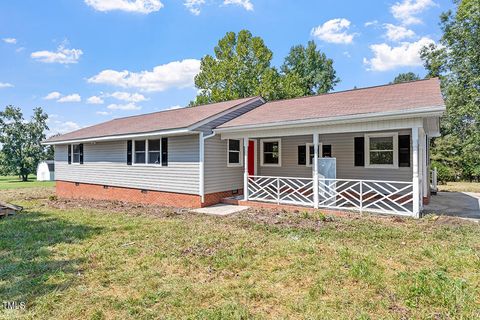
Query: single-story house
<point x="46" y="170"/>
<point x="364" y="149"/>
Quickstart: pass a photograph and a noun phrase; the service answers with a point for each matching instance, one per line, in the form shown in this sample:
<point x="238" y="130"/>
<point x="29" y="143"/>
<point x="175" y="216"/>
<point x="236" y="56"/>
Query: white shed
<point x="46" y="171"/>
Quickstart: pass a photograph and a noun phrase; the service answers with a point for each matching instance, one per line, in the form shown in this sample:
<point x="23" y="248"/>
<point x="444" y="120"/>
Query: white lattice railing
<point x="366" y="195"/>
<point x="344" y="194"/>
<point x="281" y="190"/>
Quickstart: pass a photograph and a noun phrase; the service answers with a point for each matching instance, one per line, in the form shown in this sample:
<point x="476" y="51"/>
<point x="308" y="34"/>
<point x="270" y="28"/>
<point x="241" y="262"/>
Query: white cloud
<point x="246" y="4"/>
<point x="407" y="54"/>
<point x="138" y="6"/>
<point x="5" y="85"/>
<point x="175" y="107"/>
<point x="10" y="40"/>
<point x="128" y="106"/>
<point x="95" y="100"/>
<point x="75" y="97"/>
<point x="53" y="95"/>
<point x="178" y="74"/>
<point x="334" y="31"/>
<point x="397" y="33"/>
<point x="128" y="97"/>
<point x="407" y="10"/>
<point x="63" y="127"/>
<point x="194" y="6"/>
<point x="371" y="23"/>
<point x="62" y="55"/>
<point x="103" y="113"/>
<point x="347" y="54"/>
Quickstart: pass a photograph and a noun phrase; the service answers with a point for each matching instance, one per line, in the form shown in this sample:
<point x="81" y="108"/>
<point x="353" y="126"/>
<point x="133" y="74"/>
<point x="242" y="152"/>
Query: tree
<point x="405" y="77"/>
<point x="457" y="62"/>
<point x="312" y="67"/>
<point x="21" y="141"/>
<point x="242" y="68"/>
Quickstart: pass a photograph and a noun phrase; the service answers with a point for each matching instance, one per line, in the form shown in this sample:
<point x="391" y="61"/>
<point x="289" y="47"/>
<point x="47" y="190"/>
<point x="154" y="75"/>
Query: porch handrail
<point x="356" y="180"/>
<point x="344" y="194"/>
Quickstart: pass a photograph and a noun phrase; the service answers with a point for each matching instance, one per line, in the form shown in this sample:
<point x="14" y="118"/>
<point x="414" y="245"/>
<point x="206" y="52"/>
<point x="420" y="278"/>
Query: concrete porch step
<point x="232" y="200"/>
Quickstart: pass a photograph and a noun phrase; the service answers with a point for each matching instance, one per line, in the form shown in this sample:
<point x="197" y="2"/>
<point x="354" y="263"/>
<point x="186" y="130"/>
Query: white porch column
<point x="315" y="170"/>
<point x="245" y="166"/>
<point x="415" y="180"/>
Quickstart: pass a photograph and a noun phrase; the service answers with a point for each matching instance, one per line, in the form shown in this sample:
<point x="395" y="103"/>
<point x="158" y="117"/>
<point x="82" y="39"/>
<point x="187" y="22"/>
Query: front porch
<point x="286" y="170"/>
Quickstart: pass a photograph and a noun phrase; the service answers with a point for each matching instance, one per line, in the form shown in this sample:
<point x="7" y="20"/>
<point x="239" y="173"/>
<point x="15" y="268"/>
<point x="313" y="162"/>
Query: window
<point x="234" y="153"/>
<point x="154" y="151"/>
<point x="311" y="152"/>
<point x="381" y="150"/>
<point x="76" y="153"/>
<point x="140" y="150"/>
<point x="271" y="152"/>
<point x="147" y="152"/>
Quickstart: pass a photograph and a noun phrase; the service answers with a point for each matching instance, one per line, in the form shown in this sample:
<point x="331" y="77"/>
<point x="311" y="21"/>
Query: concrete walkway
<point x="221" y="209"/>
<point x="456" y="204"/>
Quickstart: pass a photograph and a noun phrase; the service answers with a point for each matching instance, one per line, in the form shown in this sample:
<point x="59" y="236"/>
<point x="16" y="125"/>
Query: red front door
<point x="251" y="157"/>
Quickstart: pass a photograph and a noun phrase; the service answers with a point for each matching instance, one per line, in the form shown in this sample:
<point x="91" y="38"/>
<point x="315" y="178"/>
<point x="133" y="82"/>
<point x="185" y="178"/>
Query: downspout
<point x="202" y="164"/>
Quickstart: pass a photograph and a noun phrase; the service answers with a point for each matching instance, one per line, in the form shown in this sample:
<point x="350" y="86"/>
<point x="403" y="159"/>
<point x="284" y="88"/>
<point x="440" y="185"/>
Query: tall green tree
<point x="312" y="67"/>
<point x="457" y="62"/>
<point x="405" y="77"/>
<point x="20" y="140"/>
<point x="241" y="67"/>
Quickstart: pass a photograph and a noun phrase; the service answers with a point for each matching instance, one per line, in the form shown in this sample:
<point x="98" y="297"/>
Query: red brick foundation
<point x="74" y="190"/>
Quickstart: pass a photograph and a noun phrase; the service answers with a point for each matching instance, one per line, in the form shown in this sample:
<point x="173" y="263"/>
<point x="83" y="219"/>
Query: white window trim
<point x="233" y="165"/>
<point x="394" y="136"/>
<point x="146" y="164"/>
<point x="262" y="163"/>
<point x="71" y="146"/>
<point x="320" y="152"/>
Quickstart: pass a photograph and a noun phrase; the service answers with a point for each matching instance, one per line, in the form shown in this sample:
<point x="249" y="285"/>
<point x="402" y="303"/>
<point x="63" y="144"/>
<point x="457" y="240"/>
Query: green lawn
<point x="80" y="260"/>
<point x="460" y="186"/>
<point x="13" y="182"/>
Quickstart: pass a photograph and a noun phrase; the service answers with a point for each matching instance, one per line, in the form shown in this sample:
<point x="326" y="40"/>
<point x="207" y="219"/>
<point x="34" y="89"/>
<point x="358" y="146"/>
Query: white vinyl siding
<point x="218" y="175"/>
<point x="342" y="149"/>
<point x="105" y="163"/>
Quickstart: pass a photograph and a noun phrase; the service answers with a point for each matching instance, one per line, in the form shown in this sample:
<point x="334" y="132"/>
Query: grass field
<point x="13" y="182"/>
<point x="98" y="260"/>
<point x="460" y="186"/>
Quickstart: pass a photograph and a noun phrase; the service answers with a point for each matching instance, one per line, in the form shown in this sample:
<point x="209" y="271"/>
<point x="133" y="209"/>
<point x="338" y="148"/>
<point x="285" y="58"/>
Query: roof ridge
<point x="355" y="89"/>
<point x="186" y="107"/>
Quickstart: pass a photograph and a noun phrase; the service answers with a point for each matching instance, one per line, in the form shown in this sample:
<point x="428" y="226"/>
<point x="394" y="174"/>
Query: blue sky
<point x="88" y="61"/>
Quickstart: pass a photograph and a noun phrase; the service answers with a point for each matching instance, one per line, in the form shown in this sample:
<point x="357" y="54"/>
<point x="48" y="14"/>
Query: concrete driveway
<point x="457" y="204"/>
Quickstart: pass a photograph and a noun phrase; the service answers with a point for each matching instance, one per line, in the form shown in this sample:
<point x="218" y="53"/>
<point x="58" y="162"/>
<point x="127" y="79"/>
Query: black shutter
<point x="359" y="152"/>
<point x="129" y="152"/>
<point x="80" y="148"/>
<point x="164" y="152"/>
<point x="327" y="151"/>
<point x="404" y="151"/>
<point x="302" y="155"/>
<point x="69" y="147"/>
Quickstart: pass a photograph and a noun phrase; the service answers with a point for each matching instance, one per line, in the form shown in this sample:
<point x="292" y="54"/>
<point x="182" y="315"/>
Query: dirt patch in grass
<point x="18" y="195"/>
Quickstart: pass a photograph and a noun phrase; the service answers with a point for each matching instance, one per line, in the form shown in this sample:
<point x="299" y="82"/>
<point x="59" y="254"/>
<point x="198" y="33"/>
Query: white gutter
<point x="201" y="175"/>
<point x="428" y="111"/>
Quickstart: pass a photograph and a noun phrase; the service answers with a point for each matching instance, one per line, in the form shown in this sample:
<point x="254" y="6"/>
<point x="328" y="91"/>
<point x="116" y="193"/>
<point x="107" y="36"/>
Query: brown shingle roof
<point x="395" y="97"/>
<point x="158" y="121"/>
